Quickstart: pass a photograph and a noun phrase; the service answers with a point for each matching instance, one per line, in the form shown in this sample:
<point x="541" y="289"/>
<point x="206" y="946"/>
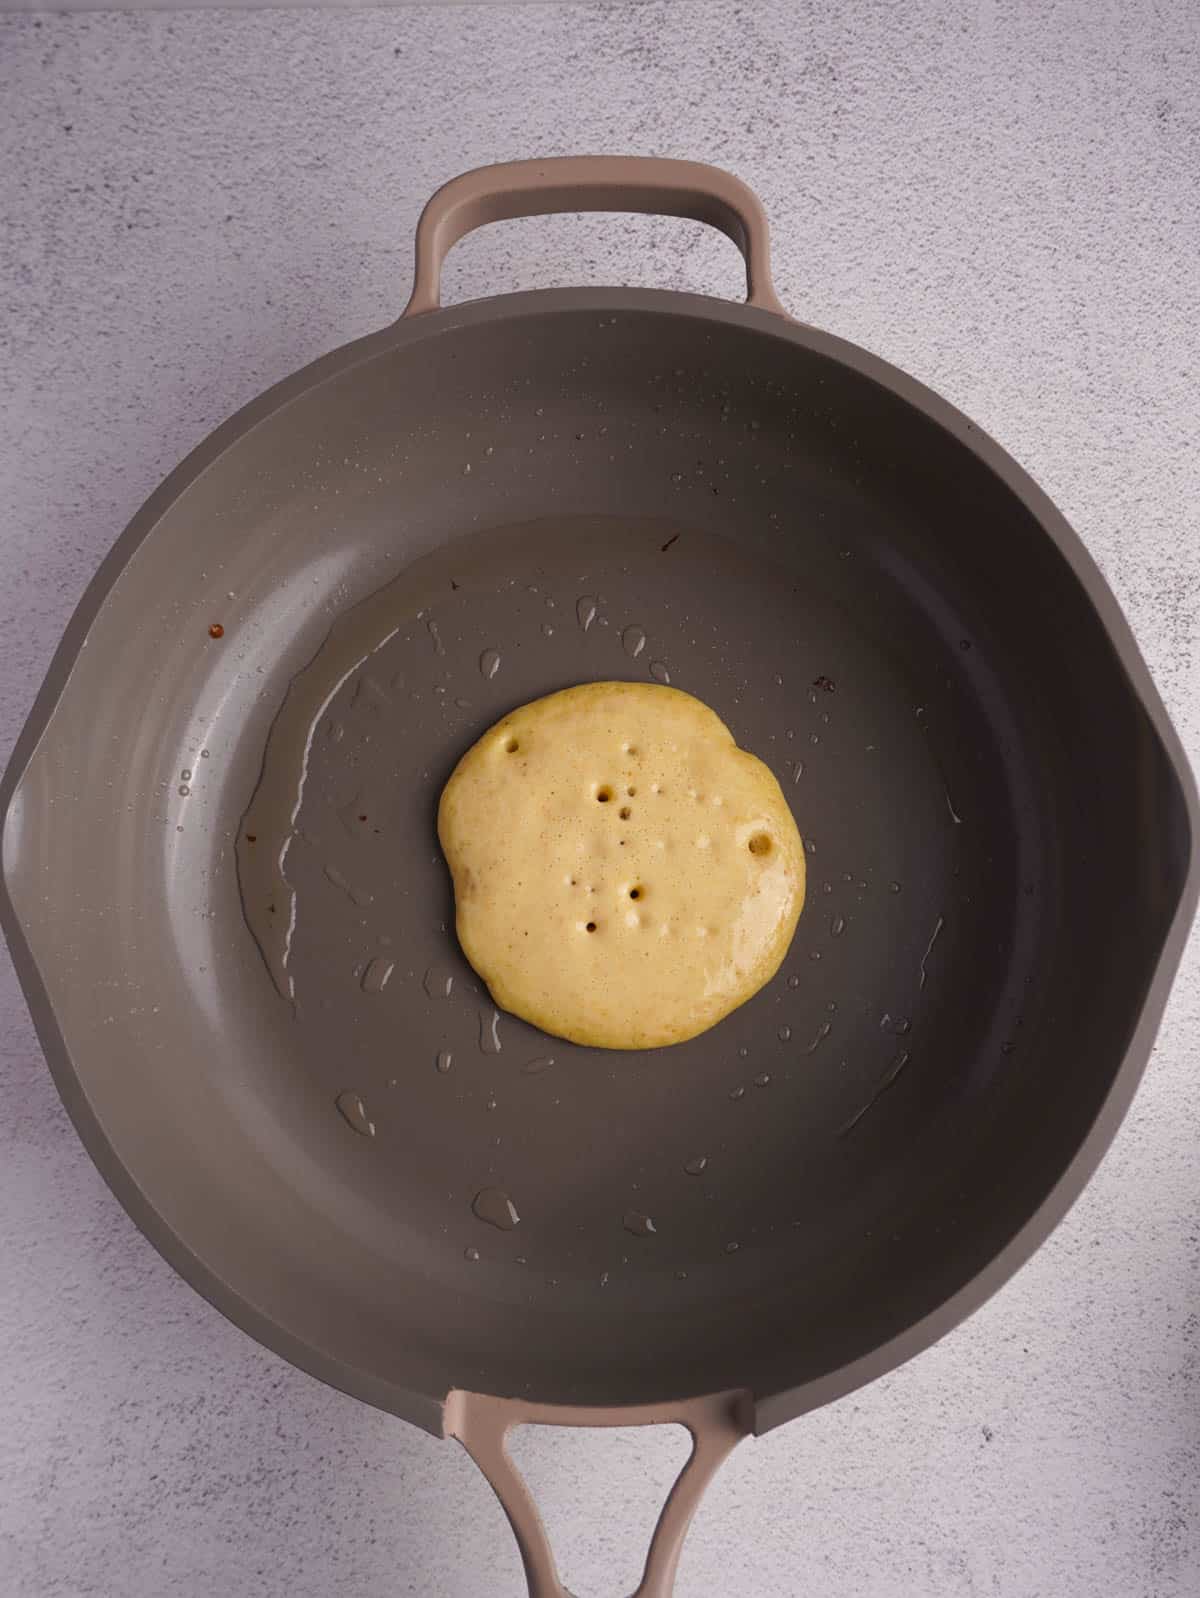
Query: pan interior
<point x="483" y="513"/>
<point x="639" y="1179"/>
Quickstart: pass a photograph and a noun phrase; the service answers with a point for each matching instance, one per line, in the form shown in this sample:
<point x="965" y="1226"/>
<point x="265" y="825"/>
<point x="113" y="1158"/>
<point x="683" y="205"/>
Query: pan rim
<point x="771" y="1409"/>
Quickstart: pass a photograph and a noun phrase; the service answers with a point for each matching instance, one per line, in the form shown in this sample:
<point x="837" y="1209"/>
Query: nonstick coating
<point x="880" y="606"/>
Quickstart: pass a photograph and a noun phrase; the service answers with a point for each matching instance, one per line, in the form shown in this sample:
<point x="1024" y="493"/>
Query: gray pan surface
<point x="407" y="540"/>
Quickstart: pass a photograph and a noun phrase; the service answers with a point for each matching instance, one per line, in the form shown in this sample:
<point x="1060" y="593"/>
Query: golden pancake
<point x="624" y="874"/>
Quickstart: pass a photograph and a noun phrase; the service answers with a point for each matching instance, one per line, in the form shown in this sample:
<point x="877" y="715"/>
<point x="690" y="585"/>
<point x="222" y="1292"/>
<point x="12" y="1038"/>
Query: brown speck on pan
<point x="216" y="630"/>
<point x="674" y="538"/>
<point x="827" y="683"/>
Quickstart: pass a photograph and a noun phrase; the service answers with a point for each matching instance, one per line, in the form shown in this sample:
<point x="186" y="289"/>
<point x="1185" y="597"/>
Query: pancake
<point x="624" y="874"/>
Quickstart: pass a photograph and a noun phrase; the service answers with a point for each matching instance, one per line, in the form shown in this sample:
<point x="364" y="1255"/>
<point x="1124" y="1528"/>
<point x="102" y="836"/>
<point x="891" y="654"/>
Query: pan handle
<point x="717" y="1423"/>
<point x="592" y="183"/>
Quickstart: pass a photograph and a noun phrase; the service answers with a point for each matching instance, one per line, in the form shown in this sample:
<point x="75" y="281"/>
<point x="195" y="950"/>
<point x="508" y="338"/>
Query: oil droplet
<point x="898" y="1025"/>
<point x="439" y="647"/>
<point x="888" y="1079"/>
<point x="798" y="772"/>
<point x="934" y="936"/>
<point x="793" y="982"/>
<point x="954" y="815"/>
<point x="694" y="1167"/>
<point x="732" y="1248"/>
<point x="761" y="1080"/>
<point x="785" y="1034"/>
<point x="603" y="1278"/>
<point x="659" y="671"/>
<point x="471" y="1254"/>
<point x="185" y="775"/>
<point x="893" y="887"/>
<point x="737" y="1092"/>
<point x="375" y="977"/>
<point x="184" y="789"/>
<point x="204" y="754"/>
<point x="637" y="1223"/>
<point x="633" y="641"/>
<point x="585" y="610"/>
<point x="357" y="896"/>
<point x="489" y="663"/>
<point x="681" y="1276"/>
<point x="444" y="1060"/>
<point x="489" y="1033"/>
<point x="536" y="1067"/>
<point x="438" y="982"/>
<point x="547" y="630"/>
<point x="354" y="1113"/>
<point x="837" y="926"/>
<point x="493" y="1205"/>
<point x="823" y="1032"/>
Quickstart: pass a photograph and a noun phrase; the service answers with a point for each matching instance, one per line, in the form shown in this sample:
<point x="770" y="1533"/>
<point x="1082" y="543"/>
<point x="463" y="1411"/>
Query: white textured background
<point x="1002" y="198"/>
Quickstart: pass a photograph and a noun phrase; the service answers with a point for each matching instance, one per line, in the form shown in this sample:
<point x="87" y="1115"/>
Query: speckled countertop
<point x="1001" y="198"/>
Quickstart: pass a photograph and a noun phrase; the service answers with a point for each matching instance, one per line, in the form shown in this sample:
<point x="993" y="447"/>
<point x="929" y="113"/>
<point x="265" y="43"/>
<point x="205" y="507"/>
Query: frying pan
<point x="226" y="905"/>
